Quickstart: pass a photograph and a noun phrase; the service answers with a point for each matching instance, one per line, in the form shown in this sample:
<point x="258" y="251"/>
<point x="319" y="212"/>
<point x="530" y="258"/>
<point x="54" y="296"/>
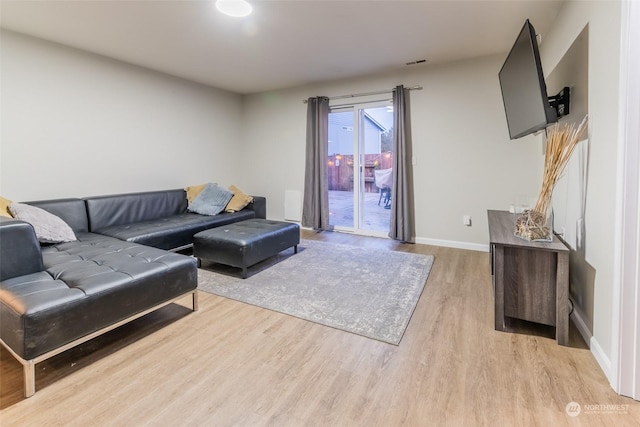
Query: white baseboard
<point x="603" y="360"/>
<point x="601" y="357"/>
<point x="578" y="319"/>
<point x="481" y="247"/>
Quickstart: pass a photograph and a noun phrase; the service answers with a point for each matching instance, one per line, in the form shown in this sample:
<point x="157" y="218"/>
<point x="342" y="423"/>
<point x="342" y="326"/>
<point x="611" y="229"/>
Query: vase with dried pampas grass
<point x="561" y="141"/>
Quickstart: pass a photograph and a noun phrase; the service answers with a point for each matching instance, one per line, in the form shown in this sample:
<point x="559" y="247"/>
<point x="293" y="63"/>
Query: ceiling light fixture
<point x="235" y="8"/>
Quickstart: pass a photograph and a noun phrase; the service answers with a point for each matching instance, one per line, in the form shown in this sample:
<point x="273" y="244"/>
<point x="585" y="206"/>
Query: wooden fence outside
<point x="340" y="170"/>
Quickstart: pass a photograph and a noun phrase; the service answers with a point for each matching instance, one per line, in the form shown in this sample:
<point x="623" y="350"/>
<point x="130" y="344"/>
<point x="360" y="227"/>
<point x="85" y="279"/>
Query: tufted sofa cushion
<point x="87" y="285"/>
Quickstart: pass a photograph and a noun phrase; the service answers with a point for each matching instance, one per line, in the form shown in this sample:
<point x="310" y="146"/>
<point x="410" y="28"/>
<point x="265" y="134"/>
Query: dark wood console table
<point x="530" y="279"/>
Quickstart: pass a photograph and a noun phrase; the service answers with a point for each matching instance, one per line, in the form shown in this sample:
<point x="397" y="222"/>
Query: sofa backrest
<point x="20" y="250"/>
<point x="119" y="209"/>
<point x="72" y="211"/>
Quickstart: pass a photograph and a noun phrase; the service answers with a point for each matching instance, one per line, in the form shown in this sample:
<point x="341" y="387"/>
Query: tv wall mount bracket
<point x="561" y="101"/>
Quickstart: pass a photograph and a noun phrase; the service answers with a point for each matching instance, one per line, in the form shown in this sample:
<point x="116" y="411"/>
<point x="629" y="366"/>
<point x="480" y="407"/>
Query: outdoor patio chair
<point x="384" y="182"/>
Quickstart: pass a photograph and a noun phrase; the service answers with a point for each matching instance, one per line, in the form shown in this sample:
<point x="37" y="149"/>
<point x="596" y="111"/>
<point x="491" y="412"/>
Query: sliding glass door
<point x="359" y="167"/>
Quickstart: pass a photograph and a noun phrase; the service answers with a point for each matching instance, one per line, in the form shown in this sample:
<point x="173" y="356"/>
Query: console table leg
<point x="498" y="255"/>
<point x="562" y="299"/>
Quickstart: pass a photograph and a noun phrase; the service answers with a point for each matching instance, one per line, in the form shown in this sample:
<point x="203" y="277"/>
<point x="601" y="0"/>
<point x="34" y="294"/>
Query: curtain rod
<point x="337" y="106"/>
<point x="378" y="92"/>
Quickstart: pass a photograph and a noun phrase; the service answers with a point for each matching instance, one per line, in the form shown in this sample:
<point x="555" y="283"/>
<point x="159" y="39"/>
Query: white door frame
<point x="358" y="109"/>
<point x="626" y="324"/>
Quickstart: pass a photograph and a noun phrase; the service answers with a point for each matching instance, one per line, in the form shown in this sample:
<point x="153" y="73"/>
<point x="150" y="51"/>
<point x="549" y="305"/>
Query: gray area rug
<point x="367" y="292"/>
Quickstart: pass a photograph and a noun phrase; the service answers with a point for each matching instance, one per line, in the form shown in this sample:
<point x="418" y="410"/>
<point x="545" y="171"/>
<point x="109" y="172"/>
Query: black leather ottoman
<point x="245" y="243"/>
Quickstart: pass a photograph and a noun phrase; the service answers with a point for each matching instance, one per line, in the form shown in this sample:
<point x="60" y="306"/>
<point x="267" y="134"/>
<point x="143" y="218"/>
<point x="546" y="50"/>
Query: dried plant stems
<point x="561" y="141"/>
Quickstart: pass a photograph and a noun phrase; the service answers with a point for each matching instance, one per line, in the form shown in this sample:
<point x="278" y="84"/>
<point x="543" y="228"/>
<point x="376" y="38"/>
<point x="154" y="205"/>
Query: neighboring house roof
<point x="375" y="122"/>
<point x="346" y="120"/>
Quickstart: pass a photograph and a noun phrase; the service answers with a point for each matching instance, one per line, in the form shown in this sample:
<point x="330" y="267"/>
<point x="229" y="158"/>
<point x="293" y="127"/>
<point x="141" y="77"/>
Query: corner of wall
<point x="604" y="361"/>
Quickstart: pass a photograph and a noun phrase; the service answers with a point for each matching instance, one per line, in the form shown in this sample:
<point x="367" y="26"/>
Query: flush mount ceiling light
<point x="235" y="8"/>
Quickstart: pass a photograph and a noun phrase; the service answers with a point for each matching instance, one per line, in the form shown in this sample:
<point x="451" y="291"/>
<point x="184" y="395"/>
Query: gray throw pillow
<point x="48" y="227"/>
<point x="211" y="200"/>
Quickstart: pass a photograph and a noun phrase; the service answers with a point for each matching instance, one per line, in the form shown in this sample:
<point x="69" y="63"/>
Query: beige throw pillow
<point x="238" y="201"/>
<point x="4" y="207"/>
<point x="193" y="191"/>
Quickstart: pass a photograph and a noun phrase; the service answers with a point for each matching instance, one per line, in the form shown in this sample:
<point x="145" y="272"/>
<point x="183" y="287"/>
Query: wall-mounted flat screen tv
<point x="524" y="91"/>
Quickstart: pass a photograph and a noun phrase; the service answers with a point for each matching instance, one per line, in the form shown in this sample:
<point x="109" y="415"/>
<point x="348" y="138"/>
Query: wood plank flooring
<point x="232" y="364"/>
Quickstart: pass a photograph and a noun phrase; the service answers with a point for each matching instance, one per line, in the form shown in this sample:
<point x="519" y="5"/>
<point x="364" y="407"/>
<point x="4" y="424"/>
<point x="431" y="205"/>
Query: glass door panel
<point x="359" y="166"/>
<point x="376" y="138"/>
<point x="340" y="169"/>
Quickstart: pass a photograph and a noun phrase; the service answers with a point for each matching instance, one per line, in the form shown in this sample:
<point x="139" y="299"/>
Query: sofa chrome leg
<point x="29" y="366"/>
<point x="195" y="300"/>
<point x="29" y="369"/>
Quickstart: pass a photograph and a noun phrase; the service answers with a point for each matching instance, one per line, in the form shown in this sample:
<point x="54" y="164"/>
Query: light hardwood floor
<point x="232" y="364"/>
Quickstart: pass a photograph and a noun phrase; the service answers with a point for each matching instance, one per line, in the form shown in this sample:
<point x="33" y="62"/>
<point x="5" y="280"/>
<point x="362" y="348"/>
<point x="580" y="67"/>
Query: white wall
<point x="570" y="191"/>
<point x="603" y="19"/>
<point x="466" y="163"/>
<point x="76" y="124"/>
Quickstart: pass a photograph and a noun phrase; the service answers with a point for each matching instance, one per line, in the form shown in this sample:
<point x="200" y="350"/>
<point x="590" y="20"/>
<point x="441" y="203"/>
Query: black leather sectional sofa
<point x="122" y="266"/>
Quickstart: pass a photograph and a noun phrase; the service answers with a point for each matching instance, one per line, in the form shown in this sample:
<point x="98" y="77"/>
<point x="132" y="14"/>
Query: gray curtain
<point x="402" y="225"/>
<point x="315" y="206"/>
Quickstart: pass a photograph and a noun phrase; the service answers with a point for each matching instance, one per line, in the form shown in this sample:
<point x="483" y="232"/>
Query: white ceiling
<point x="283" y="43"/>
